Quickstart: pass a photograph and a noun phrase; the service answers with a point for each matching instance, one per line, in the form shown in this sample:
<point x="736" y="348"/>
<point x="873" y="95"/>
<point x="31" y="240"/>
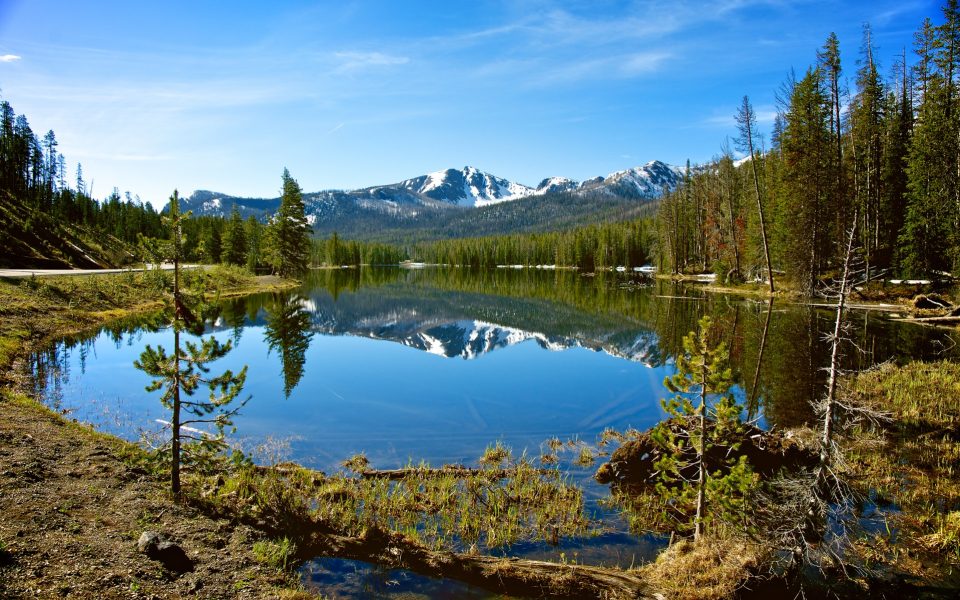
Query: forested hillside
<point x="883" y="156"/>
<point x="46" y="222"/>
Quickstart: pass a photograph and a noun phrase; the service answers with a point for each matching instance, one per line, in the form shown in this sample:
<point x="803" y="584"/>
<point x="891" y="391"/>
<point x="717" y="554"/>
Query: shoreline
<point x="76" y="500"/>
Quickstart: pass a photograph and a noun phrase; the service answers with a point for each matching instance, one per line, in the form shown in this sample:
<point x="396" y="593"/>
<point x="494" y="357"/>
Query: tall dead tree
<point x="747" y="124"/>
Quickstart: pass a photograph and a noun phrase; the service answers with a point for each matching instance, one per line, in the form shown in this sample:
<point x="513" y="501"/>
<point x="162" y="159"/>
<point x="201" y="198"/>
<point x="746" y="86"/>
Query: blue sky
<point x="153" y="96"/>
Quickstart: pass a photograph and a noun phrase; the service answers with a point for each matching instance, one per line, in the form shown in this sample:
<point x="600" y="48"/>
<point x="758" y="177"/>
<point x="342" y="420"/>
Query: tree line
<point x="885" y="154"/>
<point x="626" y="243"/>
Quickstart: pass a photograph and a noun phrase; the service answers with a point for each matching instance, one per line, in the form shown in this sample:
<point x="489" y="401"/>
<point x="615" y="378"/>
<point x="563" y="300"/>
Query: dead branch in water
<point x="540" y="579"/>
<point x="454" y="470"/>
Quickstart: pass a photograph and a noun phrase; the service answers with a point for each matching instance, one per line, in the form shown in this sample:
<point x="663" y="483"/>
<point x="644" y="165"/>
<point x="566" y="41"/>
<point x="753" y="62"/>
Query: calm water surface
<point x="436" y="364"/>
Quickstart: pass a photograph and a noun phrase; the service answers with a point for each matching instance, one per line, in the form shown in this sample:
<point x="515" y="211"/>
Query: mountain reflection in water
<point x="435" y="364"/>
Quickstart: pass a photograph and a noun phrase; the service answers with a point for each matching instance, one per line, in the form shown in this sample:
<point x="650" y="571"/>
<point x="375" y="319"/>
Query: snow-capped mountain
<point x="439" y="192"/>
<point x="648" y="181"/>
<point x="557" y="185"/>
<point x="466" y="187"/>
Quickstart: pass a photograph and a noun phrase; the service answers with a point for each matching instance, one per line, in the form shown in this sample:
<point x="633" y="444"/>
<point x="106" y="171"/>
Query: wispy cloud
<point x="336" y="128"/>
<point x="644" y="62"/>
<point x="9" y="58"/>
<point x="765" y="116"/>
<point x="350" y="61"/>
<point x="885" y="17"/>
<point x="605" y="67"/>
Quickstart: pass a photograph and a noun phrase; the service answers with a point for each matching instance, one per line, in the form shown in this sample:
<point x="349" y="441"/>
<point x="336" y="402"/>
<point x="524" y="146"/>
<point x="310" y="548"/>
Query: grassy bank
<point x="34" y="310"/>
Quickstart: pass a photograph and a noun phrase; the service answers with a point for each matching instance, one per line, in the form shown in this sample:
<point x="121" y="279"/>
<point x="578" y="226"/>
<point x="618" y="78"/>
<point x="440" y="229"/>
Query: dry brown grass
<point x="714" y="568"/>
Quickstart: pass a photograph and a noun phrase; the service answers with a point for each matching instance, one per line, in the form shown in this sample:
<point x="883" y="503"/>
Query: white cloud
<point x="606" y="67"/>
<point x="8" y="58"/>
<point x="359" y="60"/>
<point x="646" y="62"/>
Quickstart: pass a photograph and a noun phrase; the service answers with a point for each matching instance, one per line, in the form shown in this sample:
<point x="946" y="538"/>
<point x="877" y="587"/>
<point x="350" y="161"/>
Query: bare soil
<point x="73" y="507"/>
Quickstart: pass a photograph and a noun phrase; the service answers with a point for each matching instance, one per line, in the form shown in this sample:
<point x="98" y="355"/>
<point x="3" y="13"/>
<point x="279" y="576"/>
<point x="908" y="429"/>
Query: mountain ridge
<point x="458" y="203"/>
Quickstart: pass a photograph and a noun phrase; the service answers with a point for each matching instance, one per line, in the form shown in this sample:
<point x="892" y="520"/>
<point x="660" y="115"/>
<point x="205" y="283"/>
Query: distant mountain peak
<point x="423" y="197"/>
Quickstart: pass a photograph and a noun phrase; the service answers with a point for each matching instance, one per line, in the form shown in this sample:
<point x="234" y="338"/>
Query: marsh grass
<point x="276" y="554"/>
<point x="506" y="501"/>
<point x="912" y="464"/>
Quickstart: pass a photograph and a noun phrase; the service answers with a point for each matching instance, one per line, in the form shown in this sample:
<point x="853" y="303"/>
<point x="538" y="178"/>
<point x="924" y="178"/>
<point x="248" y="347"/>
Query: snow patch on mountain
<point x="468" y="187"/>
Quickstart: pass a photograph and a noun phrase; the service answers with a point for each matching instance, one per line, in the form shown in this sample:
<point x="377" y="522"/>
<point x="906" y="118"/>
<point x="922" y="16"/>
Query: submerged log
<point x="534" y="578"/>
<point x="455" y="470"/>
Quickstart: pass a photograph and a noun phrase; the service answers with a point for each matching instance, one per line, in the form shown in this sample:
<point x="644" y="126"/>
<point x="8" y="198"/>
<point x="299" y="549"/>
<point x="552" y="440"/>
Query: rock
<point x="158" y="547"/>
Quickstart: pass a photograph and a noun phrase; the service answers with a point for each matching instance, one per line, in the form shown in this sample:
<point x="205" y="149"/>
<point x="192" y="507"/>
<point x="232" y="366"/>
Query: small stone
<point x="158" y="547"/>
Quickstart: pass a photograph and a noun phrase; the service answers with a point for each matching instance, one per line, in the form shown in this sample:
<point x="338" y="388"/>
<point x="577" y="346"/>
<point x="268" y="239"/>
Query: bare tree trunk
<point x="175" y="419"/>
<point x="751" y="405"/>
<point x="726" y="188"/>
<point x="826" y="440"/>
<point x="701" y="457"/>
<point x="763" y="226"/>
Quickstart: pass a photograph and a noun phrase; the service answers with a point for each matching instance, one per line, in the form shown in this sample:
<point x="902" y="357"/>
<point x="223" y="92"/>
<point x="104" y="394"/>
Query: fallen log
<point x="455" y="470"/>
<point x="533" y="578"/>
<point x="944" y="320"/>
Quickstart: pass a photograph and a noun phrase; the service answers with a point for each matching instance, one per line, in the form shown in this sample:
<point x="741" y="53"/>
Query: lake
<point x="436" y="364"/>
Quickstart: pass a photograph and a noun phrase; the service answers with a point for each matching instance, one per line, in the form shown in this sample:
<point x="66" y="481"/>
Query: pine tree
<point x="898" y="126"/>
<point x="929" y="240"/>
<point x="807" y="183"/>
<point x="234" y="250"/>
<point x="288" y="332"/>
<point x="694" y="432"/>
<point x="181" y="373"/>
<point x="289" y="232"/>
<point x="254" y="232"/>
<point x="866" y="117"/>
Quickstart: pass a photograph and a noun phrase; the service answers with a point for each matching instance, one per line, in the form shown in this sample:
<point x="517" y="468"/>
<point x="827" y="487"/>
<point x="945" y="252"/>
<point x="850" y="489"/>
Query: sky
<point x="222" y="96"/>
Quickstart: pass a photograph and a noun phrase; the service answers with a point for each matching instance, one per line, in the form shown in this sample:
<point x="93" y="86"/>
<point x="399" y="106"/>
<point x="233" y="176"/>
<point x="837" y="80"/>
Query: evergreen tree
<point x="866" y="122"/>
<point x="747" y="124"/>
<point x="898" y="126"/>
<point x="807" y="183"/>
<point x="288" y="332"/>
<point x="289" y="232"/>
<point x="929" y="238"/>
<point x="253" y="233"/>
<point x="694" y="432"/>
<point x="234" y="250"/>
<point x="181" y="373"/>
